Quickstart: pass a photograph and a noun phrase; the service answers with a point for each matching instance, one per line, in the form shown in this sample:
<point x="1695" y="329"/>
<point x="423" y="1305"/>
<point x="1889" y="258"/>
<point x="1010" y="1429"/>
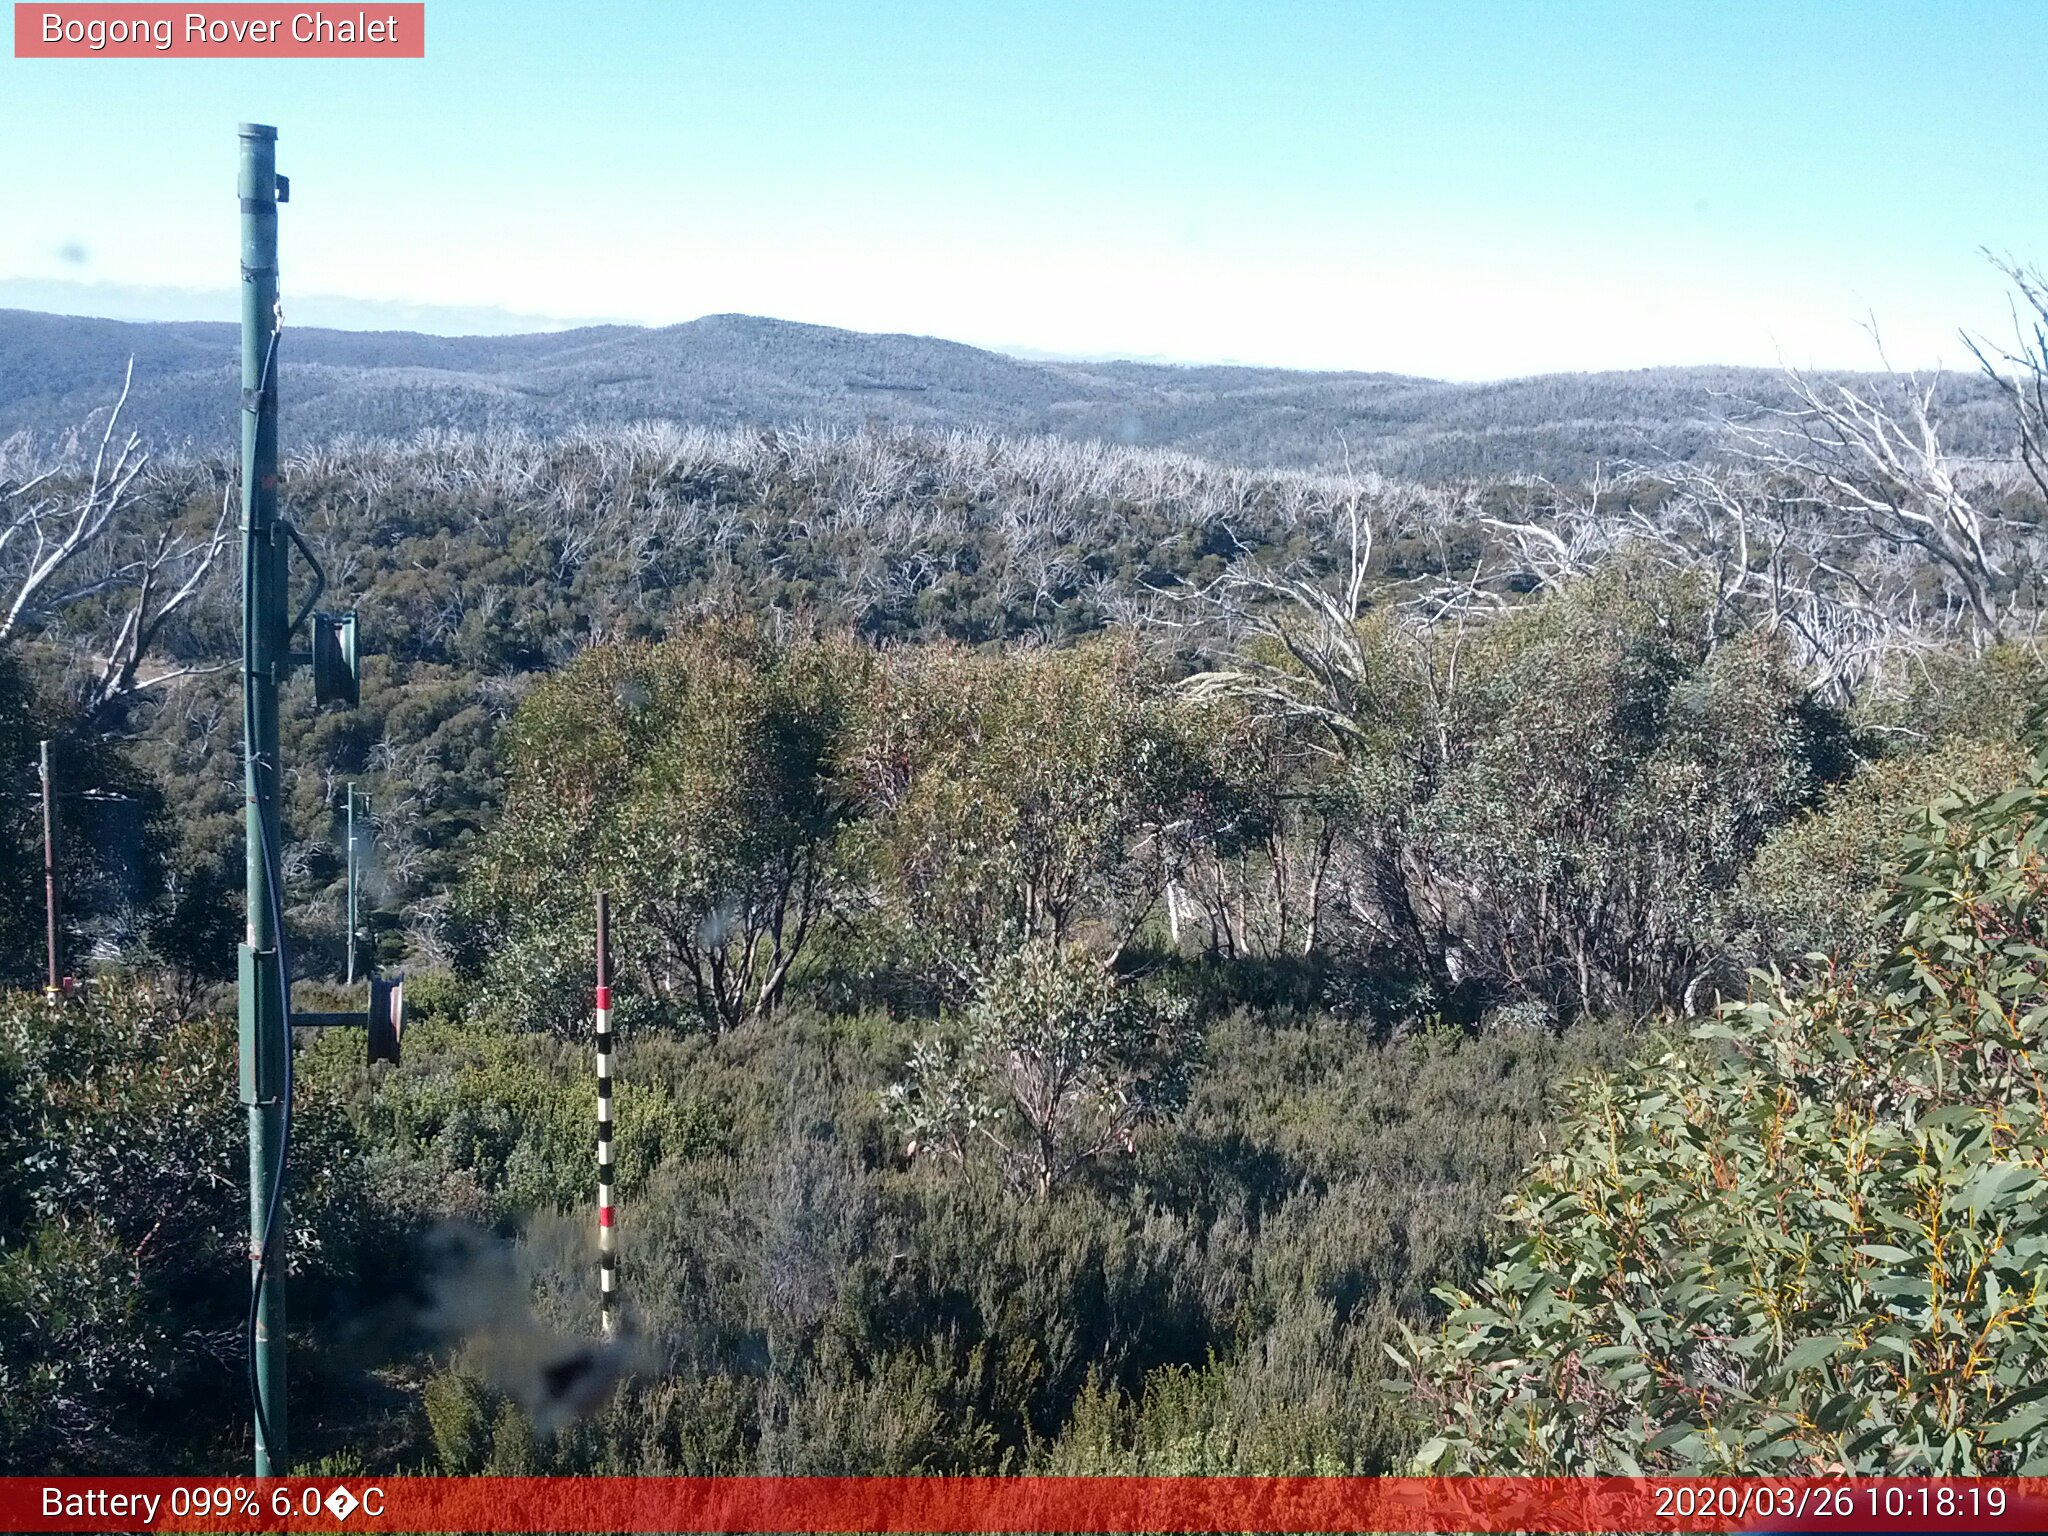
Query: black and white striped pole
<point x="607" y="1230"/>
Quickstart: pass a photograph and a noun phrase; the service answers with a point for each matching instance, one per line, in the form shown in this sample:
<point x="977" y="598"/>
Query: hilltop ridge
<point x="731" y="370"/>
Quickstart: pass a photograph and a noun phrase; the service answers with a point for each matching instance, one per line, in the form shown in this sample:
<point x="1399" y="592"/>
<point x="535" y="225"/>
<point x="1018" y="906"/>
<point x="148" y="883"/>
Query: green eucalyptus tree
<point x="1809" y="1238"/>
<point x="697" y="780"/>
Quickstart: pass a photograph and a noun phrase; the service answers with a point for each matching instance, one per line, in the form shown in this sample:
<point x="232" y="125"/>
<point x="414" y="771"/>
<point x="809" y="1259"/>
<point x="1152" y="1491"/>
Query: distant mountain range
<point x="56" y="371"/>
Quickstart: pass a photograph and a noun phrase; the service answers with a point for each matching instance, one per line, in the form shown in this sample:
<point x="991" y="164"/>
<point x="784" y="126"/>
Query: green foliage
<point x="112" y="836"/>
<point x="457" y="1410"/>
<point x="1819" y="884"/>
<point x="21" y="896"/>
<point x="1400" y="928"/>
<point x="483" y="1123"/>
<point x="1260" y="829"/>
<point x="1302" y="1404"/>
<point x="737" y="794"/>
<point x="909" y="1416"/>
<point x="1608" y="780"/>
<point x="1013" y="798"/>
<point x="817" y="1306"/>
<point x="814" y="1305"/>
<point x="479" y="564"/>
<point x="697" y="782"/>
<point x="123" y="1269"/>
<point x="513" y="1452"/>
<point x="1957" y="694"/>
<point x="1059" y="1063"/>
<point x="1551" y="807"/>
<point x="1809" y="1238"/>
<point x="78" y="1355"/>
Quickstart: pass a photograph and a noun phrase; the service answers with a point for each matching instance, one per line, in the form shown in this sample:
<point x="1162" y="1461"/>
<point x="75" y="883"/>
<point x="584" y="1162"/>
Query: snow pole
<point x="607" y="1232"/>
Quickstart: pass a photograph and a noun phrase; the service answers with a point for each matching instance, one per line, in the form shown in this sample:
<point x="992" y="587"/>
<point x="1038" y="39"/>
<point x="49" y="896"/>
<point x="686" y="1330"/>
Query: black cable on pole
<point x="284" y="1137"/>
<point x="275" y="875"/>
<point x="284" y="1141"/>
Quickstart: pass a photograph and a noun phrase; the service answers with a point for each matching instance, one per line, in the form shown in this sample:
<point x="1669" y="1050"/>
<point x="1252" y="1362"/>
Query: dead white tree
<point x="47" y="529"/>
<point x="2021" y="370"/>
<point x="1300" y="649"/>
<point x="162" y="581"/>
<point x="69" y="536"/>
<point x="1572" y="541"/>
<point x="1880" y="464"/>
<point x="1848" y="600"/>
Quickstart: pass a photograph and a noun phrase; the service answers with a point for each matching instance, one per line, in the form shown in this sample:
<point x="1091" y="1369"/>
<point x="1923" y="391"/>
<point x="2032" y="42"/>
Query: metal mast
<point x="264" y="1041"/>
<point x="267" y="1018"/>
<point x="52" y="989"/>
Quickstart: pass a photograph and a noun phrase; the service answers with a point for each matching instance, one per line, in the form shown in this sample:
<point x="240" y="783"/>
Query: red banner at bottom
<point x="1023" y="1504"/>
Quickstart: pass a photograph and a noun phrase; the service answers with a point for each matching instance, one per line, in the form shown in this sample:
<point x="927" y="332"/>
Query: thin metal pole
<point x="53" y="990"/>
<point x="351" y="885"/>
<point x="607" y="1232"/>
<point x="265" y="656"/>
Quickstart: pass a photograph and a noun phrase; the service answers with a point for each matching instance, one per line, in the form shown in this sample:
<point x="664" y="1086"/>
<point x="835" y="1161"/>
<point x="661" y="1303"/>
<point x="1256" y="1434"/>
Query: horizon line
<point x="514" y="325"/>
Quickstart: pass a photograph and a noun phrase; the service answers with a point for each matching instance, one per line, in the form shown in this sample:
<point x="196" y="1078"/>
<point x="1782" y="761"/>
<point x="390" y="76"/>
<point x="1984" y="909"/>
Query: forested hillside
<point x="745" y="371"/>
<point x="1126" y="961"/>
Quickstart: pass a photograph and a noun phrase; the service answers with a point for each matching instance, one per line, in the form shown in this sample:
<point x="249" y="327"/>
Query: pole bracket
<point x="383" y="1017"/>
<point x="319" y="575"/>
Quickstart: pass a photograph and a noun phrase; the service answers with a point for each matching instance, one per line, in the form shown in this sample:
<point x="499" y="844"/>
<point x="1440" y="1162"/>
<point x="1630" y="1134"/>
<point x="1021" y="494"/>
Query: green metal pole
<point x="351" y="885"/>
<point x="52" y="990"/>
<point x="264" y="660"/>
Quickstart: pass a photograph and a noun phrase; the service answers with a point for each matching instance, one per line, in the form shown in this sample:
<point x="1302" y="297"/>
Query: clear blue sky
<point x="1461" y="189"/>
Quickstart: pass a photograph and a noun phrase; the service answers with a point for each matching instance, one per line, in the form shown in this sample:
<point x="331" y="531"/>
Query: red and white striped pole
<point x="607" y="1233"/>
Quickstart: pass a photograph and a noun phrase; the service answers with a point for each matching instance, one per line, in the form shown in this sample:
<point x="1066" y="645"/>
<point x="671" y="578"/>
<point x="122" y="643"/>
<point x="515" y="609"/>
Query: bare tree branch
<point x="70" y="535"/>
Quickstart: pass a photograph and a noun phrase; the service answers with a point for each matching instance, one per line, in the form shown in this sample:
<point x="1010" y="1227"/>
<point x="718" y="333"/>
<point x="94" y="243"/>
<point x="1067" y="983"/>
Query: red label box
<point x="373" y="30"/>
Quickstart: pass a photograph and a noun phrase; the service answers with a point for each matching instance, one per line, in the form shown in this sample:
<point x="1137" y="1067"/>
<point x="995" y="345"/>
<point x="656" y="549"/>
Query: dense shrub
<point x="1398" y="910"/>
<point x="1058" y="1063"/>
<point x="697" y="781"/>
<point x="1807" y="1238"/>
<point x="123" y="1232"/>
<point x="1258" y="841"/>
<point x="1016" y="797"/>
<point x="112" y="835"/>
<point x="1609" y="776"/>
<point x="813" y="1302"/>
<point x="739" y="794"/>
<point x="1819" y="884"/>
<point x="1955" y="693"/>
